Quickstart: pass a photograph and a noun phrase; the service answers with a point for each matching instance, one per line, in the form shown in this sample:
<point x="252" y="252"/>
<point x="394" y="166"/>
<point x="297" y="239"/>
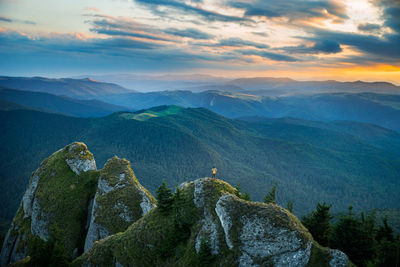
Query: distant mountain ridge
<point x="77" y="88"/>
<point x="285" y="86"/>
<point x="380" y="109"/>
<point x="268" y="86"/>
<point x="57" y="104"/>
<point x="231" y="101"/>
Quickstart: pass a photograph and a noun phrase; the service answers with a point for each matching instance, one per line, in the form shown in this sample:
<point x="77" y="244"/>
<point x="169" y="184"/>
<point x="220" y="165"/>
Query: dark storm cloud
<point x="188" y="9"/>
<point x="301" y="10"/>
<point x="189" y="32"/>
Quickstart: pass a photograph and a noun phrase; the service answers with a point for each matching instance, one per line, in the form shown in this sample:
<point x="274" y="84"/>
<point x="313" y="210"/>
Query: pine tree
<point x="164" y="198"/>
<point x="270" y="197"/>
<point x="238" y="190"/>
<point x="385" y="232"/>
<point x="318" y="223"/>
<point x="350" y="236"/>
<point x="204" y="255"/>
<point x="290" y="206"/>
<point x="246" y="196"/>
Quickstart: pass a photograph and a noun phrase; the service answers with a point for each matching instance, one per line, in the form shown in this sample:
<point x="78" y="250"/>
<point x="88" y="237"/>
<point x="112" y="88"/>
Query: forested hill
<point x="311" y="162"/>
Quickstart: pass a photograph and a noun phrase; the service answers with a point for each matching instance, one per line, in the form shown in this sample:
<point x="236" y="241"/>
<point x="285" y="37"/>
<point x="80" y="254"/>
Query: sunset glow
<point x="333" y="39"/>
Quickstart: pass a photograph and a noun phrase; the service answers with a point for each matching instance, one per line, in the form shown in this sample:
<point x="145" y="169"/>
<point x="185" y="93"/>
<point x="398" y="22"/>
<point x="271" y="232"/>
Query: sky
<point x="345" y="40"/>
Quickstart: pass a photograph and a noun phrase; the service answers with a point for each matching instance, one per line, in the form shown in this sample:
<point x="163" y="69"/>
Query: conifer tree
<point x="204" y="255"/>
<point x="385" y="232"/>
<point x="290" y="206"/>
<point x="164" y="198"/>
<point x="318" y="223"/>
<point x="238" y="190"/>
<point x="270" y="197"/>
<point x="246" y="196"/>
<point x="350" y="236"/>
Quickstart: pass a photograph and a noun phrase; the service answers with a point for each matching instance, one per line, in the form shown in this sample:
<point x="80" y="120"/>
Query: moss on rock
<point x="259" y="234"/>
<point x="120" y="200"/>
<point x="56" y="206"/>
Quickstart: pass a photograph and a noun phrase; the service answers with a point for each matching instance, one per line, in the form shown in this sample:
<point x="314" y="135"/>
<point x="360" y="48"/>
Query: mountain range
<point x="338" y="147"/>
<point x="266" y="86"/>
<point x="77" y="88"/>
<point x="342" y="163"/>
<point x="356" y="104"/>
<point x="18" y="99"/>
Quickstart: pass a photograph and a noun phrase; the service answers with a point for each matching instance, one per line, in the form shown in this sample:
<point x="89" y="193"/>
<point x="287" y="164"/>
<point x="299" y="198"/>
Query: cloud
<point x="127" y="33"/>
<point x="391" y="13"/>
<point x="232" y="42"/>
<point x="387" y="46"/>
<point x="368" y="27"/>
<point x="124" y="27"/>
<point x="92" y="8"/>
<point x="320" y="46"/>
<point x="263" y="34"/>
<point x="6" y="19"/>
<point x="266" y="54"/>
<point x="189" y="9"/>
<point x="301" y="10"/>
<point x="238" y="42"/>
<point x="189" y="32"/>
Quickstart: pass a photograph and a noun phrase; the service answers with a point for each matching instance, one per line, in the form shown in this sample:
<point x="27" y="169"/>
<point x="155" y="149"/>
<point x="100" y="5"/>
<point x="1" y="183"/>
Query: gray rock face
<point x="224" y="217"/>
<point x="146" y="204"/>
<point x="116" y="179"/>
<point x="27" y="199"/>
<point x="339" y="259"/>
<point x="39" y="224"/>
<point x="96" y="231"/>
<point x="209" y="231"/>
<point x="260" y="239"/>
<point x="80" y="162"/>
<point x="208" y="224"/>
<point x="126" y="215"/>
<point x="198" y="193"/>
<point x="9" y="252"/>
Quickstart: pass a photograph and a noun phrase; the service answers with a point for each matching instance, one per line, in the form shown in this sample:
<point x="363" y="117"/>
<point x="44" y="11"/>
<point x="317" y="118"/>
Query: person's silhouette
<point x="213" y="172"/>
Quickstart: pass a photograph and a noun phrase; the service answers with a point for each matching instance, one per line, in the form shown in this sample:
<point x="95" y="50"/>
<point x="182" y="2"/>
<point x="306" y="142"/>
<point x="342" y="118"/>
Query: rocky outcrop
<point x="238" y="232"/>
<point x="67" y="198"/>
<point x="339" y="259"/>
<point x="80" y="160"/>
<point x="46" y="203"/>
<point x="120" y="200"/>
<point x="262" y="237"/>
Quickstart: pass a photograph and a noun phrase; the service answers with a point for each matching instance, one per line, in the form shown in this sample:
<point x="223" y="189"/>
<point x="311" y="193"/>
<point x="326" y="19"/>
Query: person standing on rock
<point x="213" y="172"/>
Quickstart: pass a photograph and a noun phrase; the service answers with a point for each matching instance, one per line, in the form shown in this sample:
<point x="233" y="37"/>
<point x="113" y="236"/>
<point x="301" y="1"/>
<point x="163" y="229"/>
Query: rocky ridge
<point x="69" y="204"/>
<point x="238" y="232"/>
<point x="120" y="200"/>
<point x="109" y="219"/>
